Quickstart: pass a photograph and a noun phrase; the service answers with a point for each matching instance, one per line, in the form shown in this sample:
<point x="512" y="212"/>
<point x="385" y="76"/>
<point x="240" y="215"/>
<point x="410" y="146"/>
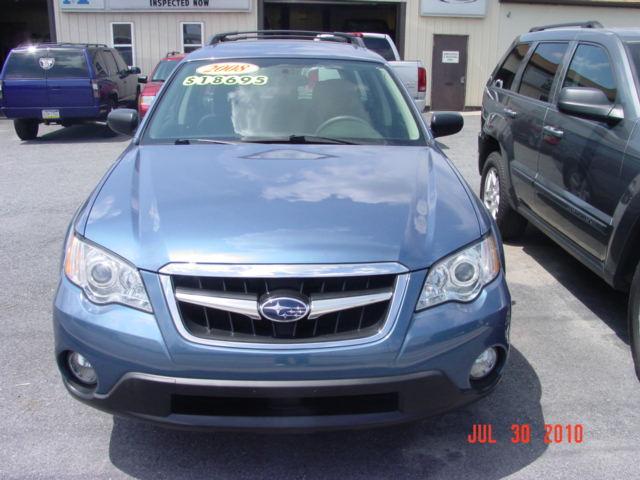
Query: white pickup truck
<point x="411" y="73"/>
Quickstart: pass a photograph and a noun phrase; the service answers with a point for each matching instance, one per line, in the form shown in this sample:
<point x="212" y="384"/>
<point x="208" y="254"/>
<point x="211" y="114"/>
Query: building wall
<point x="489" y="37"/>
<point x="520" y="18"/>
<point x="482" y="48"/>
<point x="155" y="33"/>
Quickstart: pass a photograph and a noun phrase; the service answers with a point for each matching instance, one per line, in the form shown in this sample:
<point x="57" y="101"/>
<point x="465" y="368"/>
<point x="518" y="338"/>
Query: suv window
<point x="538" y="76"/>
<point x="507" y="72"/>
<point x="591" y="67"/>
<point x="634" y="53"/>
<point x="99" y="65"/>
<point x="122" y="66"/>
<point x="68" y="64"/>
<point x="111" y="62"/>
<point x="25" y="64"/>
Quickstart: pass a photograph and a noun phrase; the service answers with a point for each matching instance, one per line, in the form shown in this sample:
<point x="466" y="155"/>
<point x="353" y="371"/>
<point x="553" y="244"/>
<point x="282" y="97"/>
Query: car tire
<point x="26" y="129"/>
<point x="495" y="197"/>
<point x="634" y="319"/>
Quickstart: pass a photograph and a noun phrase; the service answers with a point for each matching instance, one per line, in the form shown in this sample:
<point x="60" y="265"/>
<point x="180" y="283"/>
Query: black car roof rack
<point x="171" y="54"/>
<point x="589" y="24"/>
<point x="286" y="34"/>
<point x="63" y="44"/>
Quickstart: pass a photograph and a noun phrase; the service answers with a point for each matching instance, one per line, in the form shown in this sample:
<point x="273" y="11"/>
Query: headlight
<point x="147" y="100"/>
<point x="462" y="276"/>
<point x="103" y="277"/>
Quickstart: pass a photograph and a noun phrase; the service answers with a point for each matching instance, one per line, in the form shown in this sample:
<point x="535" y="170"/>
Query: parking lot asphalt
<point x="570" y="362"/>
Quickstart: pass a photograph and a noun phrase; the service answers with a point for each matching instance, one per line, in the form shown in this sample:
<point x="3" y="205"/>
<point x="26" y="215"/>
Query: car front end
<point x="253" y="283"/>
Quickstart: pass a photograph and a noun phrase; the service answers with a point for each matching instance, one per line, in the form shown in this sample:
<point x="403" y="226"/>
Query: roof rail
<point x="64" y="44"/>
<point x="286" y="34"/>
<point x="588" y="24"/>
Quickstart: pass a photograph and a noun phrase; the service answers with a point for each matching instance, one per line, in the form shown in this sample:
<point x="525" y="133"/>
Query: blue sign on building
<point x="82" y="4"/>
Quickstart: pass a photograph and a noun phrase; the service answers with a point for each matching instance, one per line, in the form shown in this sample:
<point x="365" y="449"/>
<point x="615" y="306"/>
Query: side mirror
<point x="143" y="79"/>
<point x="590" y="103"/>
<point x="446" y="123"/>
<point x="123" y="121"/>
<point x="134" y="71"/>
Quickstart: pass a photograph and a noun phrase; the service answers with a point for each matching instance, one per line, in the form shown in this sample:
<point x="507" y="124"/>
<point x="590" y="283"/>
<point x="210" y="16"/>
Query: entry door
<point x="449" y="76"/>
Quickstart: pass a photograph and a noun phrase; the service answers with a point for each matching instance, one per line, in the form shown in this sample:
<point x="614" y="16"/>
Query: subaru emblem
<point x="284" y="306"/>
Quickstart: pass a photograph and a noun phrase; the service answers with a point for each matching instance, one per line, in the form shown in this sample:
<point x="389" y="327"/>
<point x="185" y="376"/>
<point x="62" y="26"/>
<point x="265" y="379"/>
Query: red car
<point x="159" y="75"/>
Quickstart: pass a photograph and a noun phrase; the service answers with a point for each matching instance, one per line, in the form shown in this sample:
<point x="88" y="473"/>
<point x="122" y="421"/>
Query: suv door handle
<point x="510" y="113"/>
<point x="553" y="131"/>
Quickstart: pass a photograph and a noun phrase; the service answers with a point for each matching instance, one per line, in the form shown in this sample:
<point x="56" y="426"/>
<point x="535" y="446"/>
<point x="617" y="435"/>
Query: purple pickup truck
<point x="65" y="84"/>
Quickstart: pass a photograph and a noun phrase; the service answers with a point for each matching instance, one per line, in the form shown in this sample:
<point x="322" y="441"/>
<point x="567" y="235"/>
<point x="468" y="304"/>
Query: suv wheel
<point x="26" y="129"/>
<point x="634" y="319"/>
<point x="494" y="195"/>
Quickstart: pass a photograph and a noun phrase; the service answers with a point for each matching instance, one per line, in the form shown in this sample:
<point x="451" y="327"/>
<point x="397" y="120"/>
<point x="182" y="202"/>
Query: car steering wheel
<point x="342" y="118"/>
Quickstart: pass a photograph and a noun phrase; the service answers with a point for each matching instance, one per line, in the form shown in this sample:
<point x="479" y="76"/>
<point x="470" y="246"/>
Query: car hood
<point x="257" y="203"/>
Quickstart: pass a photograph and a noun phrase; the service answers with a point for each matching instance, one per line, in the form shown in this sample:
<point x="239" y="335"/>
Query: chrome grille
<point x="227" y="324"/>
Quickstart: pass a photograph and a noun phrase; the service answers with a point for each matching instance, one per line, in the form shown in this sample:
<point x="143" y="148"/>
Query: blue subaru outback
<point x="283" y="245"/>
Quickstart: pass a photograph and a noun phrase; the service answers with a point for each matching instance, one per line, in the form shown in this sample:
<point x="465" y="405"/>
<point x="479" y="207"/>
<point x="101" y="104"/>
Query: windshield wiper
<point x="189" y="141"/>
<point x="299" y="139"/>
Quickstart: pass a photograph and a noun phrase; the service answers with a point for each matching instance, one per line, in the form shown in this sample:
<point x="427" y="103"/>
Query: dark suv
<point x="560" y="148"/>
<point x="64" y="83"/>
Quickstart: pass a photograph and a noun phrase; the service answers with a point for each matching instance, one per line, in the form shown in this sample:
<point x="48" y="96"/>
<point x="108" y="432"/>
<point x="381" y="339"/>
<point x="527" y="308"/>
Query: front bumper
<point x="280" y="405"/>
<point x="148" y="371"/>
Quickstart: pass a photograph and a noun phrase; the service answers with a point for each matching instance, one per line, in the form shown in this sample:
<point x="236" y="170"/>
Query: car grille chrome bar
<point x="323" y="304"/>
<point x="243" y="304"/>
<point x="247" y="304"/>
<point x="283" y="271"/>
<point x="344" y="309"/>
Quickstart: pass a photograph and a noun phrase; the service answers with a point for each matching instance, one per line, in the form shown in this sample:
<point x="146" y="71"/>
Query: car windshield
<point x="163" y="70"/>
<point x="284" y="101"/>
<point x="381" y="46"/>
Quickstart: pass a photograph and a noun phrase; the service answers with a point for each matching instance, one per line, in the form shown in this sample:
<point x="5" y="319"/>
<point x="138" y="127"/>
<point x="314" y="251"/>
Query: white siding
<point x="155" y="33"/>
<point x="482" y="49"/>
<point x="490" y="37"/>
<point x="520" y="18"/>
<point x="158" y="33"/>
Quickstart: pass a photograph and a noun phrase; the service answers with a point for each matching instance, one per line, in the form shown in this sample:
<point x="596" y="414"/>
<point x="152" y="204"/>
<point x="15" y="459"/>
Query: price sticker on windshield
<point x="228" y="68"/>
<point x="257" y="80"/>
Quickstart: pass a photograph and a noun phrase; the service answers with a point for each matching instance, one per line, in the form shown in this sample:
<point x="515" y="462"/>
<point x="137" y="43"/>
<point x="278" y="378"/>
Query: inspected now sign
<point x="157" y="5"/>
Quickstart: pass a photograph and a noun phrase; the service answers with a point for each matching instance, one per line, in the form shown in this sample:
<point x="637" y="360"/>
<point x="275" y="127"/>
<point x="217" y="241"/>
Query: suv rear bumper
<point x="282" y="405"/>
<point x="88" y="112"/>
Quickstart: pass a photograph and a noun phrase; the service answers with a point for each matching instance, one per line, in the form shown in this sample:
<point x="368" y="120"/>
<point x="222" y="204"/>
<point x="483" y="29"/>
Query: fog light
<point x="484" y="364"/>
<point x="81" y="369"/>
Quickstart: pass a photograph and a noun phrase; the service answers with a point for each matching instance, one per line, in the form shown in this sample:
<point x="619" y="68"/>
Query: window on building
<point x="507" y="71"/>
<point x="122" y="40"/>
<point x="591" y="68"/>
<point x="192" y="36"/>
<point x="541" y="70"/>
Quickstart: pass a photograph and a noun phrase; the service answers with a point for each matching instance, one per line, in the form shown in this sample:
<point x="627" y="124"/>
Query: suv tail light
<point x="96" y="89"/>
<point x="422" y="79"/>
